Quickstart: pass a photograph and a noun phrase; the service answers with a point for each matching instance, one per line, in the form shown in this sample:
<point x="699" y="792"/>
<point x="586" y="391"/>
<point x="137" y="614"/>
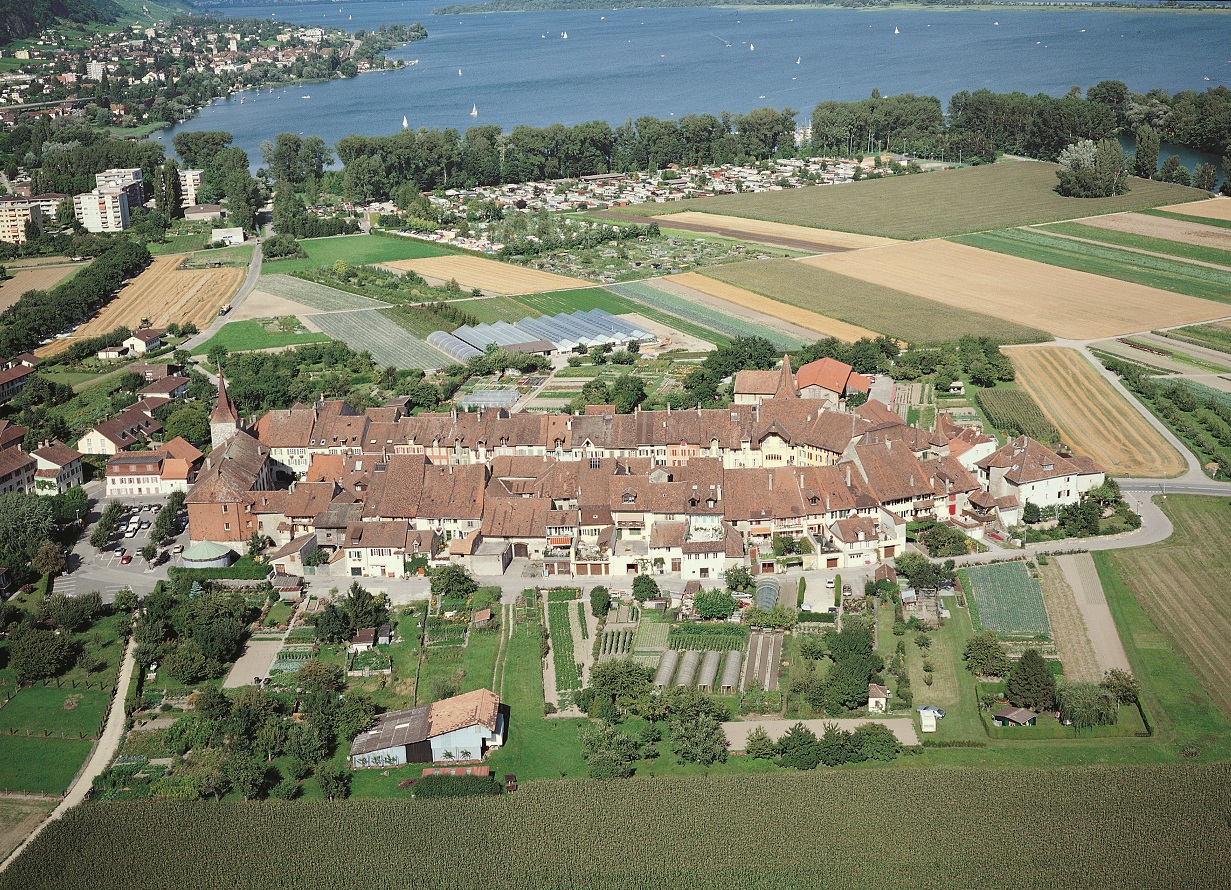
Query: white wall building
<point x="102" y="210"/>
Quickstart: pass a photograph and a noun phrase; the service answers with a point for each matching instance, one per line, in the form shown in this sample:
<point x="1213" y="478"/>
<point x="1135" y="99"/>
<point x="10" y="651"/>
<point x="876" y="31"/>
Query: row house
<point x="131" y="427"/>
<point x="17" y="471"/>
<point x="173" y="467"/>
<point x="59" y="468"/>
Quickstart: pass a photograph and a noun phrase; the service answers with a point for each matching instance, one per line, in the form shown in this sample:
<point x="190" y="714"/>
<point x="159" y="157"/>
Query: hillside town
<point x="691" y="492"/>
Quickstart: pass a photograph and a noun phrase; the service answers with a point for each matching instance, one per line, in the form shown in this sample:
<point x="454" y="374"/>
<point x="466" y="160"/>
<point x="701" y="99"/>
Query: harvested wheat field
<point x="1214" y="208"/>
<point x="1163" y="227"/>
<point x="1093" y="418"/>
<point x="37" y="278"/>
<point x="488" y="276"/>
<point x="812" y="321"/>
<point x="163" y="294"/>
<point x="1063" y="302"/>
<point x="772" y="232"/>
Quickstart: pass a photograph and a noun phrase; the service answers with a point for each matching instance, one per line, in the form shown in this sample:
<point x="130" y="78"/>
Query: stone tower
<point x="224" y="419"/>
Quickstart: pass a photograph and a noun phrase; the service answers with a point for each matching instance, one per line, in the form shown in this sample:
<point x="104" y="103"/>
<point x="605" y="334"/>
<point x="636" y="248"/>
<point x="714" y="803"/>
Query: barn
<point x="465" y="727"/>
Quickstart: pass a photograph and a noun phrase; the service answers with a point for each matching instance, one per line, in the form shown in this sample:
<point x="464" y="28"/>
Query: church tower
<point x="224" y="419"/>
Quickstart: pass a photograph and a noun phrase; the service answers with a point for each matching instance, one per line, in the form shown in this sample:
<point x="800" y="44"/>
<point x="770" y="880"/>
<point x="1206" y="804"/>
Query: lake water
<point x="517" y="68"/>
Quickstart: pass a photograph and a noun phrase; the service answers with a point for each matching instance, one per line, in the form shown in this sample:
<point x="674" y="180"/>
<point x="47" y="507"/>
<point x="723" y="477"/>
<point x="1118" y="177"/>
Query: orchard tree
<point x="644" y="588"/>
<point x="714" y="604"/>
<point x="1123" y="685"/>
<point x="453" y="582"/>
<point x="600" y="601"/>
<point x="984" y="656"/>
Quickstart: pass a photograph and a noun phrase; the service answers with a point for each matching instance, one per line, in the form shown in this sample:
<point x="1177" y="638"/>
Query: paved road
<point x="101" y="756"/>
<point x="254" y="272"/>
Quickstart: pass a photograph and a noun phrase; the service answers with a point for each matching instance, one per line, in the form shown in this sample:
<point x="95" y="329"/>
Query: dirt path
<point x="255" y="661"/>
<point x="100" y="757"/>
<point x="1083" y="578"/>
<point x="1068" y="626"/>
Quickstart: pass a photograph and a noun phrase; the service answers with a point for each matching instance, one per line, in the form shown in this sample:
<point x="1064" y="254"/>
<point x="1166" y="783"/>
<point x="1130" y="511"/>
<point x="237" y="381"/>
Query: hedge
<point x="243" y="569"/>
<point x="456" y="786"/>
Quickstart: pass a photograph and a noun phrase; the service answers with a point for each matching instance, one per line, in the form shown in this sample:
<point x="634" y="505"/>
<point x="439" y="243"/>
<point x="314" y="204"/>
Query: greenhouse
<point x="666" y="667"/>
<point x="709" y="669"/>
<point x="490" y="398"/>
<point x="456" y="349"/>
<point x="730" y="673"/>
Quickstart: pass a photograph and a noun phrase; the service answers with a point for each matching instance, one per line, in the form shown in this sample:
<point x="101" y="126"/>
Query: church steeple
<point x="786" y="381"/>
<point x="224" y="419"/>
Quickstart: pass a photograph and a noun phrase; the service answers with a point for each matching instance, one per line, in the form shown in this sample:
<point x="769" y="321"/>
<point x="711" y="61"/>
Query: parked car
<point x="177" y="549"/>
<point x="930" y="708"/>
<point x="119" y="551"/>
<point x="126" y="559"/>
<point x="131" y="533"/>
<point x="829" y="583"/>
<point x="145" y="523"/>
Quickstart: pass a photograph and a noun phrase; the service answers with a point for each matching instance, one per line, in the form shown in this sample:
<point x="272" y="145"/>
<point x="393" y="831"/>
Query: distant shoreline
<point x="499" y="6"/>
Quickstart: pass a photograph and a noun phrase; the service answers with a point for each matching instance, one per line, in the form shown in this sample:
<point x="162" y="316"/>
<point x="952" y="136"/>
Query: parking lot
<point x="107" y="571"/>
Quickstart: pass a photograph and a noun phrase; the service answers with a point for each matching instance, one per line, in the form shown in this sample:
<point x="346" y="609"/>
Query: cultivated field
<point x="1008" y="599"/>
<point x="1165" y="228"/>
<point x="1069" y="630"/>
<point x="813" y="321"/>
<point x="1160" y="273"/>
<point x="772" y="232"/>
<point x="18" y="816"/>
<point x="1182" y="583"/>
<point x="163" y="294"/>
<point x="488" y="276"/>
<point x="1092" y="416"/>
<point x="312" y="296"/>
<point x="1063" y="302"/>
<point x="1212" y="208"/>
<point x="1093" y="826"/>
<point x="388" y="343"/>
<point x="865" y="304"/>
<point x="357" y="250"/>
<point x="931" y="205"/>
<point x="36" y="278"/>
<point x="1014" y="412"/>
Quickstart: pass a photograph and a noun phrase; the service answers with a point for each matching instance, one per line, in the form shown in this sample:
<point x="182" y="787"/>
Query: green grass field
<point x="900" y="315"/>
<point x="356" y="250"/>
<point x="1212" y="336"/>
<point x="1179" y="249"/>
<point x="73" y="712"/>
<point x="490" y="310"/>
<point x="931" y="205"/>
<point x="1009" y="600"/>
<point x="40" y="766"/>
<point x="1110" y="262"/>
<point x="245" y="336"/>
<point x="180" y="243"/>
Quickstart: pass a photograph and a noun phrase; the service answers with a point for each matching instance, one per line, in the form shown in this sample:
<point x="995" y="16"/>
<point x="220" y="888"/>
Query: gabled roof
<point x="759" y="383"/>
<point x="1025" y="460"/>
<point x="827" y="373"/>
<point x="57" y="454"/>
<point x="478" y="708"/>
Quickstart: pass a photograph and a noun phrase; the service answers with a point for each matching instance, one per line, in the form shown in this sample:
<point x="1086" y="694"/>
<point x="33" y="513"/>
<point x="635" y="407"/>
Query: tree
<point x="644" y="588"/>
<point x="333" y="625"/>
<point x="875" y="741"/>
<point x="244" y="773"/>
<point x="355" y="714"/>
<point x="1145" y="159"/>
<point x="1086" y="704"/>
<point x="1123" y="685"/>
<point x="36" y="654"/>
<point x="453" y="582"/>
<point x="1205" y="177"/>
<point x="187" y="663"/>
<point x="714" y="604"/>
<point x="335" y="782"/>
<point x="759" y="744"/>
<point x="71" y="506"/>
<point x="799" y="748"/>
<point x="149" y="552"/>
<point x="1090" y="170"/>
<point x="197" y="148"/>
<point x="738" y="578"/>
<point x="26" y="522"/>
<point x="1031" y="685"/>
<point x="189" y="422"/>
<point x="217" y="353"/>
<point x="49" y="559"/>
<point x="1031" y="513"/>
<point x="211" y="703"/>
<point x="619" y="683"/>
<point x="305" y="742"/>
<point x="600" y="601"/>
<point x="984" y="656"/>
<point x="71" y="613"/>
<point x="698" y="738"/>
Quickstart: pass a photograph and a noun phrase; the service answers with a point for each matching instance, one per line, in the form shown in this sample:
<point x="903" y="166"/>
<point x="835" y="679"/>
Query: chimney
<point x="771" y="480"/>
<point x="888" y="444"/>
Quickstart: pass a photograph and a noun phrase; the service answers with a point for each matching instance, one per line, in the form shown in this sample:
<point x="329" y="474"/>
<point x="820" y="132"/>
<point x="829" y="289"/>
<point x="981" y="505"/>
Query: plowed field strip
<point x="487" y="275"/>
<point x="1214" y="208"/>
<point x="1068" y="627"/>
<point x="795" y="237"/>
<point x="813" y="321"/>
<point x="1093" y="418"/>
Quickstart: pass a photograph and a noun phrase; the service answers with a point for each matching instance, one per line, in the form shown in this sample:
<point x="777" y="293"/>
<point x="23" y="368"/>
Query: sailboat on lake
<point x="474" y="110"/>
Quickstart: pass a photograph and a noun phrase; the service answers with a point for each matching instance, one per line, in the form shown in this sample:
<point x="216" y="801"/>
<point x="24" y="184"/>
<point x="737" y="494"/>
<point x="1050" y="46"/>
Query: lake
<point x="519" y="68"/>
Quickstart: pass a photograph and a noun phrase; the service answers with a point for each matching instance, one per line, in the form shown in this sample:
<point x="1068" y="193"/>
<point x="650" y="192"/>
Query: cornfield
<point x="1074" y="827"/>
<point x="1014" y="411"/>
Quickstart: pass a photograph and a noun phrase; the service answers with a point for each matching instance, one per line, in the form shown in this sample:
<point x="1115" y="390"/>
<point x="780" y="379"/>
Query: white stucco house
<point x="465" y="727"/>
<point x="1031" y="472"/>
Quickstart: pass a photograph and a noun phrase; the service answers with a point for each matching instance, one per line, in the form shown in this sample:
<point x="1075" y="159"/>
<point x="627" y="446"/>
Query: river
<point x="519" y="68"/>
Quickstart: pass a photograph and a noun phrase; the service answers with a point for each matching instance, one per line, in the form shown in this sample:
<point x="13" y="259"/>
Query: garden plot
<point x="310" y="295"/>
<point x="651" y="637"/>
<point x="1008" y="599"/>
<point x="389" y="344"/>
<point x="488" y="276"/>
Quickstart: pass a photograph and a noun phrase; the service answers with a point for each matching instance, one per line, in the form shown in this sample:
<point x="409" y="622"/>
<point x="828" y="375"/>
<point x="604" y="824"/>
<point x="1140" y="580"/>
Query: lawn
<point x="1180" y="249"/>
<point x="245" y="336"/>
<point x="357" y="250"/>
<point x="64" y="711"/>
<point x="180" y="242"/>
<point x="479" y="659"/>
<point x="1009" y="600"/>
<point x="1110" y="262"/>
<point x="537" y="748"/>
<point x="931" y="205"/>
<point x="40" y="766"/>
<point x="490" y="310"/>
<point x="893" y="312"/>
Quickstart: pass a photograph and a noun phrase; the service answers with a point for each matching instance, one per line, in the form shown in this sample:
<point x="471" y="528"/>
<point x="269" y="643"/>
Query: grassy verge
<point x="245" y="336"/>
